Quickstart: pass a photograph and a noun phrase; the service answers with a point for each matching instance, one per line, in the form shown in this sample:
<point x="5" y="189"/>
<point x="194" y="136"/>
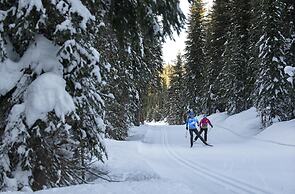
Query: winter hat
<point x="191" y="113"/>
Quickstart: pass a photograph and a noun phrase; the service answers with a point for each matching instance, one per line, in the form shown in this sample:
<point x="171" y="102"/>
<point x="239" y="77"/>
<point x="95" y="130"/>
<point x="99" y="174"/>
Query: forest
<point x="240" y="55"/>
<point x="74" y="72"/>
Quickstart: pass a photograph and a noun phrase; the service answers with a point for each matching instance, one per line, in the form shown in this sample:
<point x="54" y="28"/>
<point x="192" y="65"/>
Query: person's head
<point x="204" y="115"/>
<point x="191" y="114"/>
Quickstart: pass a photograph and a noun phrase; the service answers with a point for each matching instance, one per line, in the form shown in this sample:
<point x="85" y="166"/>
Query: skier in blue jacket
<point x="191" y="125"/>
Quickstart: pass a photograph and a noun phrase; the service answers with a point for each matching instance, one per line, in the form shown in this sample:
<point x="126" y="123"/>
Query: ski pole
<point x="209" y="130"/>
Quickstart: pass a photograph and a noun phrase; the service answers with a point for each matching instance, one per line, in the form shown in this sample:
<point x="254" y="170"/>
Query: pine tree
<point x="176" y="99"/>
<point x="272" y="92"/>
<point x="54" y="150"/>
<point x="216" y="38"/>
<point x="255" y="33"/>
<point x="195" y="62"/>
<point x="233" y="76"/>
<point x="289" y="33"/>
<point x="57" y="149"/>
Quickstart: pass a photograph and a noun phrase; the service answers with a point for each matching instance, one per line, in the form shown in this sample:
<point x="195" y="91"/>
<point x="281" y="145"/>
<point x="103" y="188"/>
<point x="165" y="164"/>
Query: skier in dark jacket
<point x="204" y="127"/>
<point x="191" y="125"/>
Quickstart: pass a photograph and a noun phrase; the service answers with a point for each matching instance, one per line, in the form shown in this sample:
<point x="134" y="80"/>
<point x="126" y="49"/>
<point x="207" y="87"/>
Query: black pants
<point x="191" y="132"/>
<point x="205" y="133"/>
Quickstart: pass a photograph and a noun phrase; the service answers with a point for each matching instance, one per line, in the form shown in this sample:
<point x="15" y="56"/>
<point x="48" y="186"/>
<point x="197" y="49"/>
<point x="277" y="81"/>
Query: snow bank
<point x="10" y="73"/>
<point x="156" y="123"/>
<point x="137" y="133"/>
<point x="130" y="168"/>
<point x="216" y="117"/>
<point x="144" y="187"/>
<point x="45" y="94"/>
<point x="246" y="126"/>
<point x="282" y="132"/>
<point x="133" y="167"/>
<point x="245" y="123"/>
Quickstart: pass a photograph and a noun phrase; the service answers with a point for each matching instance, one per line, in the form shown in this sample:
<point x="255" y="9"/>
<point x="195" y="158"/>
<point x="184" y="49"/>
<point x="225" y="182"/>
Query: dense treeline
<point x="236" y="58"/>
<point x="108" y="54"/>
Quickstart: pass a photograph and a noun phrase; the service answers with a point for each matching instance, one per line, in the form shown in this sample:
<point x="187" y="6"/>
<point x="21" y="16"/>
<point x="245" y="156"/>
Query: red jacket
<point x="204" y="123"/>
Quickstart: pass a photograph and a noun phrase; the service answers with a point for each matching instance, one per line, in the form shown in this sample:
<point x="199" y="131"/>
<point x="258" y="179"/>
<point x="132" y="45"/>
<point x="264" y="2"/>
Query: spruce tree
<point x="255" y="33"/>
<point x="233" y="77"/>
<point x="57" y="150"/>
<point x="176" y="98"/>
<point x="289" y="33"/>
<point x="195" y="62"/>
<point x="220" y="20"/>
<point x="272" y="92"/>
<point x="54" y="150"/>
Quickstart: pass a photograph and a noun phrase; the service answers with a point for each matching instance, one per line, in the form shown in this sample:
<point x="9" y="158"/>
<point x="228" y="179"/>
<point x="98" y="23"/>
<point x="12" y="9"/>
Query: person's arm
<point x="210" y="123"/>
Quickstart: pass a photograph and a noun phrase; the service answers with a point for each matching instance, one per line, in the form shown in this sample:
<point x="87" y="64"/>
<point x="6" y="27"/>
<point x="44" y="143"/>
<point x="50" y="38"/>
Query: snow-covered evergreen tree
<point x="195" y="62"/>
<point x="272" y="92"/>
<point x="233" y="77"/>
<point x="216" y="38"/>
<point x="176" y="102"/>
<point x="289" y="32"/>
<point x="54" y="82"/>
<point x="50" y="51"/>
<point x="255" y="33"/>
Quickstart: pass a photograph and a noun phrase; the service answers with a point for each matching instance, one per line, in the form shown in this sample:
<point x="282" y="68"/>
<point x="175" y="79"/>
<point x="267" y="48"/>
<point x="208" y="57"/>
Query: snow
<point x="291" y="72"/>
<point x="10" y="73"/>
<point x="73" y="7"/>
<point x="13" y="119"/>
<point x="246" y="122"/>
<point x="28" y="5"/>
<point x="45" y="94"/>
<point x="157" y="159"/>
<point x="275" y="59"/>
<point x="41" y="56"/>
<point x="143" y="187"/>
<point x="78" y="7"/>
<point x="66" y="25"/>
<point x="281" y="132"/>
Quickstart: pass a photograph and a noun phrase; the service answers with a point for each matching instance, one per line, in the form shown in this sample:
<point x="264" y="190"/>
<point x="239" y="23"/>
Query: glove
<point x="186" y="128"/>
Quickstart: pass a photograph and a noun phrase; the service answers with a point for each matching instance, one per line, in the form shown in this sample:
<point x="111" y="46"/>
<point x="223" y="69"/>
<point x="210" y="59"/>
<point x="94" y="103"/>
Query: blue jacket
<point x="191" y="123"/>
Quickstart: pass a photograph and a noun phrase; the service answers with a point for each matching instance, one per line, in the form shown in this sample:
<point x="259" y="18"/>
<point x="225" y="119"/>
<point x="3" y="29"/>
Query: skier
<point x="204" y="127"/>
<point x="191" y="125"/>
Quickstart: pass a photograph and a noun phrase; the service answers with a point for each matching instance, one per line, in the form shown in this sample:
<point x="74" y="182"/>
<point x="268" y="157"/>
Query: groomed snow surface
<point x="157" y="159"/>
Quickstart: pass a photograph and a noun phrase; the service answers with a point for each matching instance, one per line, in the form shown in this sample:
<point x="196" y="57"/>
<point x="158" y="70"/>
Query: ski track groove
<point x="227" y="182"/>
<point x="206" y="169"/>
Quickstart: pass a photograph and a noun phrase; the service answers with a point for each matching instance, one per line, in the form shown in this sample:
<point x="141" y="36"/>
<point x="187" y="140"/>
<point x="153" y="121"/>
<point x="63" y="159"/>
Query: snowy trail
<point x="229" y="167"/>
<point x="227" y="182"/>
<point x="158" y="155"/>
